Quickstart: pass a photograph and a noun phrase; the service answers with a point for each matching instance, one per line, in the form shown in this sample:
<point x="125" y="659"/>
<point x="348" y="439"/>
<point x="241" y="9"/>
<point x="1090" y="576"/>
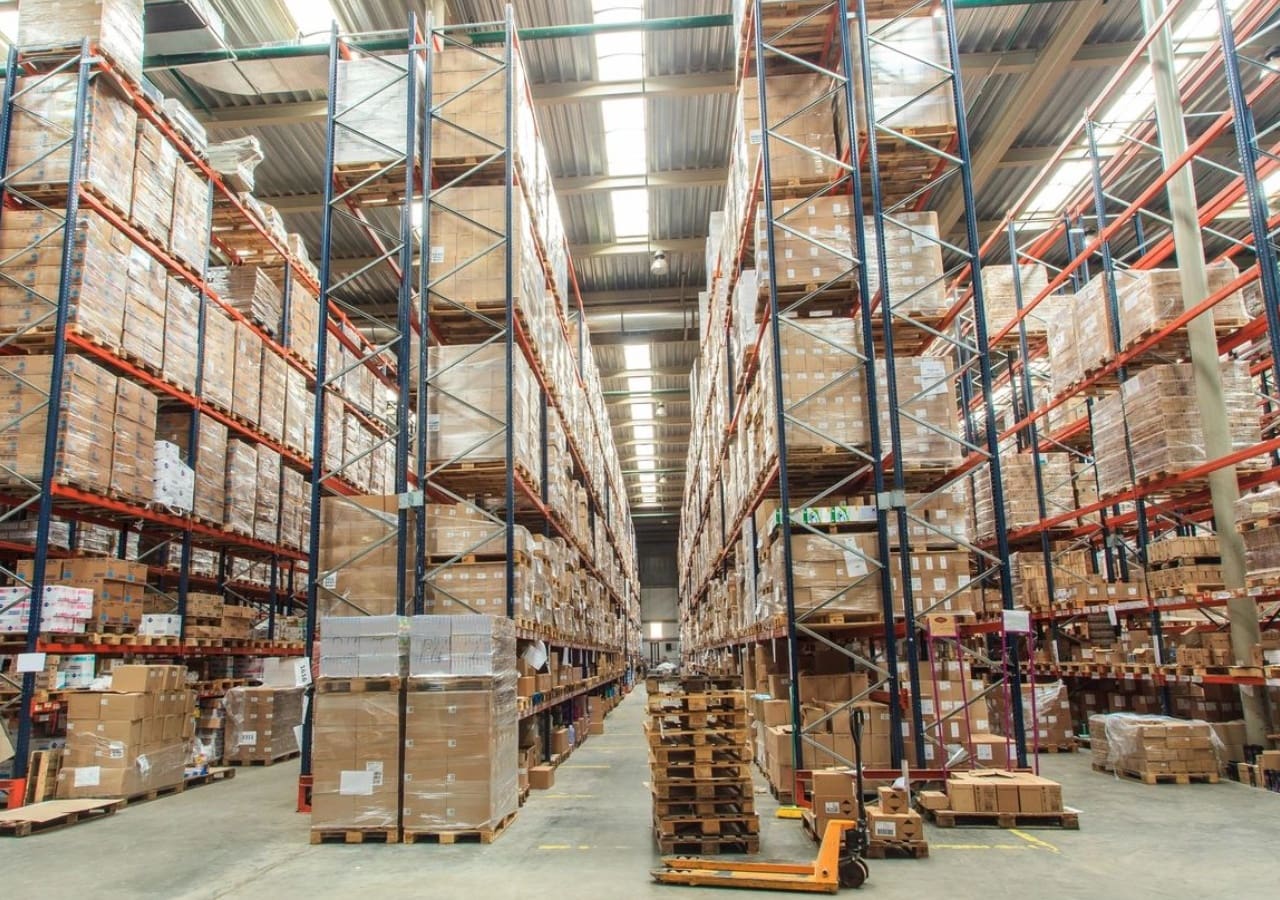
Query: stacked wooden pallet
<point x="700" y="757"/>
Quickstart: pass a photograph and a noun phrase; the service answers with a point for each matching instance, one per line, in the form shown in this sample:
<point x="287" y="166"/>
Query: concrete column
<point x="1223" y="488"/>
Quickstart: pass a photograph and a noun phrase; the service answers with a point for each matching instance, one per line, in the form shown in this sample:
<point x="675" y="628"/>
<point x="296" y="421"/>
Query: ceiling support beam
<point x="1032" y="95"/>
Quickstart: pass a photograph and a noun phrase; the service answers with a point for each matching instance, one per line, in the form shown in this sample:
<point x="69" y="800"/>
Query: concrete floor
<point x="589" y="837"/>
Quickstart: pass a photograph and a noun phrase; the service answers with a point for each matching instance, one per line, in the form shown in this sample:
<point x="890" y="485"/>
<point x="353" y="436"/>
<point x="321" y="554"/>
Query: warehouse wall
<point x="658" y="600"/>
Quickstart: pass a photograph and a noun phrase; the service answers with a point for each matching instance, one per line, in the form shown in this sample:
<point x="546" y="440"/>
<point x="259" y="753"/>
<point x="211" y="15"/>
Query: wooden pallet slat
<point x="461" y="836"/>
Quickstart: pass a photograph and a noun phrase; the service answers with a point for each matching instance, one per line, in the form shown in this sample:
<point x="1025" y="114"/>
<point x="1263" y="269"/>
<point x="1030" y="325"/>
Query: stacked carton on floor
<point x="432" y="753"/>
<point x="131" y="739"/>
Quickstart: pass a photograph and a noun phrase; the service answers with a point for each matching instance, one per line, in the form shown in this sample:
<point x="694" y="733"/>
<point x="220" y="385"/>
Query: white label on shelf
<point x="355" y="783"/>
<point x="30" y="662"/>
<point x="433" y="422"/>
<point x="87" y="776"/>
<point x="437" y="254"/>
<point x="831" y="807"/>
<point x="248" y="738"/>
<point x="375" y="767"/>
<point x="330" y="581"/>
<point x="1017" y="621"/>
<point x="1111" y="616"/>
<point x="115" y="750"/>
<point x="886" y="829"/>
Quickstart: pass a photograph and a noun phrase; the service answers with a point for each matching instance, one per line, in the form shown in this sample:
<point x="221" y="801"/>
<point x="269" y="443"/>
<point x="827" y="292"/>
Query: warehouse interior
<point x="597" y="445"/>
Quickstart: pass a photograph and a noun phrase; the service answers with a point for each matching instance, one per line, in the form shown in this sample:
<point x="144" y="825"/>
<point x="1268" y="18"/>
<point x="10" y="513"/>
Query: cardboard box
<point x="933" y="800"/>
<point x="894" y="800"/>
<point x="560" y="741"/>
<point x="905" y="826"/>
<point x="542" y="778"/>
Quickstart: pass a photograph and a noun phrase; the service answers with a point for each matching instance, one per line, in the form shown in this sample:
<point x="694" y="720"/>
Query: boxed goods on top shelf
<point x="113" y="27"/>
<point x="1156" y="411"/>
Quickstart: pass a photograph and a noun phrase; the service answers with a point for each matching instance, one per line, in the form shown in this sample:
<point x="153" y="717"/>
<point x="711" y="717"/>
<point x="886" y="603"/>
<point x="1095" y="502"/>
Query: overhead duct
<point x="641" y="320"/>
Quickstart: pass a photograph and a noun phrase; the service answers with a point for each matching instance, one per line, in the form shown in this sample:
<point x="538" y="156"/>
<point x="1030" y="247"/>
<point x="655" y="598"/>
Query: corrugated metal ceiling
<point x="684" y="131"/>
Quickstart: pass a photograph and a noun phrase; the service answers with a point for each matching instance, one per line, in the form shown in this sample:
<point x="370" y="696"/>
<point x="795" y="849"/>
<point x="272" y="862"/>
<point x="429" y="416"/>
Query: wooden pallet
<point x="218" y="773"/>
<point x="878" y="848"/>
<point x="725" y="702"/>
<point x="723" y="737"/>
<point x="42" y="776"/>
<point x="742" y="826"/>
<point x="154" y="794"/>
<point x="729" y="788"/>
<point x="1068" y="747"/>
<point x="355" y="835"/>
<point x="715" y="720"/>
<point x="357" y="685"/>
<point x="704" y="808"/>
<point x="691" y="846"/>
<point x="52" y="814"/>
<point x="1161" y="777"/>
<point x="470" y="836"/>
<point x="702" y="772"/>
<point x="705" y="755"/>
<point x="949" y="818"/>
<point x="283" y="757"/>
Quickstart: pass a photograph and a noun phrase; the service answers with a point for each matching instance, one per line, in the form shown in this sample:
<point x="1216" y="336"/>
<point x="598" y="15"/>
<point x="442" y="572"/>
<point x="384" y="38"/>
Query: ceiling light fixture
<point x="659" y="266"/>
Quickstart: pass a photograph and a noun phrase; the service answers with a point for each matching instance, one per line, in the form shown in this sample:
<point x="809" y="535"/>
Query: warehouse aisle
<point x="589" y="838"/>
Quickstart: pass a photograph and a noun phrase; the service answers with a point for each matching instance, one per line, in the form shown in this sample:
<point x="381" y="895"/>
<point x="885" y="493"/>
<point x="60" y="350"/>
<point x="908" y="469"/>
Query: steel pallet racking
<point x="1138" y="201"/>
<point x="887" y="320"/>
<point x="46" y="494"/>
<point x="446" y="327"/>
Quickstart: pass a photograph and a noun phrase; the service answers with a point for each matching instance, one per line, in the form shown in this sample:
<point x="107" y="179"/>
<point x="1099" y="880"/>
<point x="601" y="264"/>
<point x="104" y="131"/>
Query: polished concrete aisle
<point x="590" y="838"/>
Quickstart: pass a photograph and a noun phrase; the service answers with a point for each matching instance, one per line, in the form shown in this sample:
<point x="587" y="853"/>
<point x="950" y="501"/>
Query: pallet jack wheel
<point x="853" y="872"/>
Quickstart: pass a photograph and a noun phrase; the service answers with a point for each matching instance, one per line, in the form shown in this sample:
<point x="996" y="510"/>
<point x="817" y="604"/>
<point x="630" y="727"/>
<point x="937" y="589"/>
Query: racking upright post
<point x="894" y="36"/>
<point x="81" y="64"/>
<point x="370" y="152"/>
<point x="797" y="313"/>
<point x="470" y="331"/>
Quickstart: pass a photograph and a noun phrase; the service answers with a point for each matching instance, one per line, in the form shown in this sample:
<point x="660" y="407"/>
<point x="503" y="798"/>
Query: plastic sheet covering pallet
<point x="53" y="814"/>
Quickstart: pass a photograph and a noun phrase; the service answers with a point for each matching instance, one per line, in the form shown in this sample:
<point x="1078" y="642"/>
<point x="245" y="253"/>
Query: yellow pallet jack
<point x="840" y="862"/>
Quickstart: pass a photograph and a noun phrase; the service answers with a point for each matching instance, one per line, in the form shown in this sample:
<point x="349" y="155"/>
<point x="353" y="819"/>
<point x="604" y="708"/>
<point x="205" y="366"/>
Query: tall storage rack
<point x="481" y="287"/>
<point x="881" y="170"/>
<point x="172" y="535"/>
<point x="1112" y="230"/>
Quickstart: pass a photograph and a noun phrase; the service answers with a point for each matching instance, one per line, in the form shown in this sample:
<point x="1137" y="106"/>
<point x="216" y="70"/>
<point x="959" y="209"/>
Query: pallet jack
<point x="840" y="863"/>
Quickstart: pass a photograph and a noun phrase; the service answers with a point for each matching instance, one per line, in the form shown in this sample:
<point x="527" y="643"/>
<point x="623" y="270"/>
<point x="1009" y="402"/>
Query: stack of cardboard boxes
<point x="262" y="725"/>
<point x="431" y="753"/>
<point x="131" y="739"/>
<point x="825" y="711"/>
<point x="1154" y="416"/>
<point x="1046" y="705"/>
<point x="991" y="792"/>
<point x="1154" y="748"/>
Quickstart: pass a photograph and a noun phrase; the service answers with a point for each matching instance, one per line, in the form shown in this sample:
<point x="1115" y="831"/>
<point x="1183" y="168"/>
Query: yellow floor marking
<point x="935" y="846"/>
<point x="555" y="847"/>
<point x="1034" y="841"/>
<point x="585" y="766"/>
